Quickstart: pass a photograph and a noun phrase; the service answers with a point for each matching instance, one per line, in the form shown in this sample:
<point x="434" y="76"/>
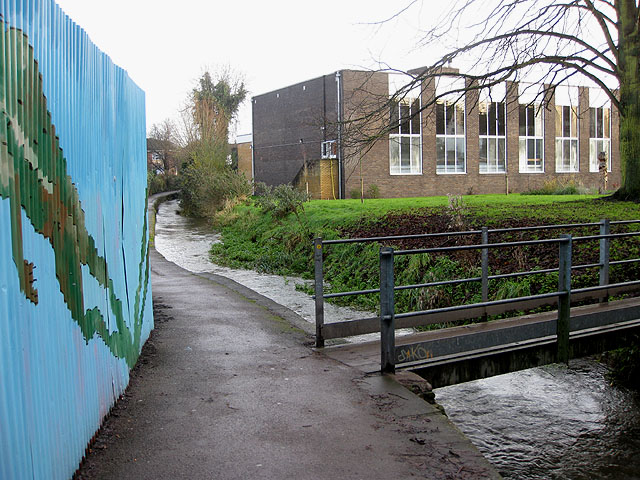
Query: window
<point x="599" y="137"/>
<point x="566" y="139"/>
<point x="329" y="149"/>
<point x="450" y="137"/>
<point x="531" y="140"/>
<point x="405" y="140"/>
<point x="493" y="140"/>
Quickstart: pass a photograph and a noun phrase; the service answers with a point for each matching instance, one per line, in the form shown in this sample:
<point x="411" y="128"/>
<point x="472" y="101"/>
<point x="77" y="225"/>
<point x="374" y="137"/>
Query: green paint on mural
<point x="33" y="176"/>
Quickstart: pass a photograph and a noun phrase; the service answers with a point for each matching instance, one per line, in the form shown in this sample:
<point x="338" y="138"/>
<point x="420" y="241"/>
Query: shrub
<point x="557" y="186"/>
<point x="373" y="191"/>
<point x="354" y="193"/>
<point x="206" y="191"/>
<point x="281" y="200"/>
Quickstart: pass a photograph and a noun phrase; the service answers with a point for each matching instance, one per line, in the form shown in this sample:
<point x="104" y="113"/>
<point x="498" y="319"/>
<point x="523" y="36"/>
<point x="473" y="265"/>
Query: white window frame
<point x="446" y="139"/>
<point x="531" y="147"/>
<point x="571" y="164"/>
<point x="599" y="142"/>
<point x="492" y="163"/>
<point x="329" y="149"/>
<point x="403" y="139"/>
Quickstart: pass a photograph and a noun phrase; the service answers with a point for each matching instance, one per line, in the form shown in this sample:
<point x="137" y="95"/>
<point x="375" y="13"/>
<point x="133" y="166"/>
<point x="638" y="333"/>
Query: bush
<point x="160" y="182"/>
<point x="373" y="191"/>
<point x="155" y="183"/>
<point x="281" y="200"/>
<point x="205" y="191"/>
<point x="560" y="187"/>
<point x="354" y="193"/>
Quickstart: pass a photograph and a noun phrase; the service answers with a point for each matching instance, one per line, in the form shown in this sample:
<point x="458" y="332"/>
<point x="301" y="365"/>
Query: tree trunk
<point x="629" y="76"/>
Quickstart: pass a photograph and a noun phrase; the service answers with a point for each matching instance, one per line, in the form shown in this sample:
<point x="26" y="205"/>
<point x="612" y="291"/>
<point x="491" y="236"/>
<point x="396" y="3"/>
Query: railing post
<point x="564" y="300"/>
<point x="605" y="246"/>
<point x="485" y="269"/>
<point x="319" y="290"/>
<point x="387" y="322"/>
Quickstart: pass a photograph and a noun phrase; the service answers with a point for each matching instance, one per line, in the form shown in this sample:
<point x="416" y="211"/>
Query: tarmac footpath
<point x="229" y="387"/>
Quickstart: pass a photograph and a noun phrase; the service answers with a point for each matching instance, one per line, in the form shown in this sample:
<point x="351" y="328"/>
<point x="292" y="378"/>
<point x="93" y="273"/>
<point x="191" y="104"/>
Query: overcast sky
<point x="165" y="46"/>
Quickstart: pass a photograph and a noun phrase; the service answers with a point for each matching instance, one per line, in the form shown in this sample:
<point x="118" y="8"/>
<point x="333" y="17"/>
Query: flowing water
<point x="551" y="422"/>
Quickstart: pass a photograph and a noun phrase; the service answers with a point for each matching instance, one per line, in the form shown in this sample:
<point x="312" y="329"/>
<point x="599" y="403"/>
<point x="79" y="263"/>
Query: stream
<point x="552" y="422"/>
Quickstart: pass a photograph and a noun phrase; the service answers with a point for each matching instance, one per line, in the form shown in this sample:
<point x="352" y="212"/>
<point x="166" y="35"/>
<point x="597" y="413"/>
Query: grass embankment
<point x="257" y="241"/>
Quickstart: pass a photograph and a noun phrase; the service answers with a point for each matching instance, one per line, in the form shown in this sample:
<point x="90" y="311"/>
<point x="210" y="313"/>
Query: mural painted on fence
<point x="35" y="180"/>
<point x="75" y="298"/>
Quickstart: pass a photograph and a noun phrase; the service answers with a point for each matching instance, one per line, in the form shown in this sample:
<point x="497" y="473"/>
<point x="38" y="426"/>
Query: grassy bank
<point x="258" y="241"/>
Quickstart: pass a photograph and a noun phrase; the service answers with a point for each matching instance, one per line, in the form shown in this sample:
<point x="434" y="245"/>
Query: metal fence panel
<point x="75" y="297"/>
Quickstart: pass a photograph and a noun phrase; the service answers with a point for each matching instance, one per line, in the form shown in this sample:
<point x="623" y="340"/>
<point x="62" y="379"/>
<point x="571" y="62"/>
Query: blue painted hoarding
<point x="75" y="297"/>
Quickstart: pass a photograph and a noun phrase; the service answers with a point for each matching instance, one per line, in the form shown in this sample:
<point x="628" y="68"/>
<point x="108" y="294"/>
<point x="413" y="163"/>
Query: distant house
<point x="509" y="139"/>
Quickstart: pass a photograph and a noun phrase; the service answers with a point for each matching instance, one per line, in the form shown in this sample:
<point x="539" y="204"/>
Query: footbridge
<point x="501" y="333"/>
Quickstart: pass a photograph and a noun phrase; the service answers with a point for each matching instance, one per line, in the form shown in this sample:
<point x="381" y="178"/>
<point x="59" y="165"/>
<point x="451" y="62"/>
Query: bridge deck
<point x="454" y="344"/>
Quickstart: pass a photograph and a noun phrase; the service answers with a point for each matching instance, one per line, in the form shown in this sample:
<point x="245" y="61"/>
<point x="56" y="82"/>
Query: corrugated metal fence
<point x="75" y="298"/>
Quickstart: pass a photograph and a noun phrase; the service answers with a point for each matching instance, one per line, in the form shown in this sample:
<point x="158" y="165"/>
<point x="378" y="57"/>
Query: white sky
<point x="165" y="46"/>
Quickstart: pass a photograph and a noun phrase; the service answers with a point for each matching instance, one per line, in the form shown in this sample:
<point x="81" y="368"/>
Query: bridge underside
<point x="461" y="354"/>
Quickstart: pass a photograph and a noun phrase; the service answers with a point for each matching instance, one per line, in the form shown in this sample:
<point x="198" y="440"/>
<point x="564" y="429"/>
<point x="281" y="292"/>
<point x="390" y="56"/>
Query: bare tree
<point x="546" y="42"/>
<point x="163" y="146"/>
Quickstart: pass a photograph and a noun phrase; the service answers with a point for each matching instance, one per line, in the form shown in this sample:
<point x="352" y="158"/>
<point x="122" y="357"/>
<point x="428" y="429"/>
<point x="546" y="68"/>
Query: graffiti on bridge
<point x="413" y="353"/>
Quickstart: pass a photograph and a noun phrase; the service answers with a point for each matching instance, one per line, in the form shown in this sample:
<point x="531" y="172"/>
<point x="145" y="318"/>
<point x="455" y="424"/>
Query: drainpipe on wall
<point x="340" y="166"/>
<point x="253" y="168"/>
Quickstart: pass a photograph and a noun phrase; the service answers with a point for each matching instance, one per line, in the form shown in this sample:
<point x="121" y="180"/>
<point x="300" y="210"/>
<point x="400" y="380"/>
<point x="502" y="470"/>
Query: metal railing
<point x="484" y="308"/>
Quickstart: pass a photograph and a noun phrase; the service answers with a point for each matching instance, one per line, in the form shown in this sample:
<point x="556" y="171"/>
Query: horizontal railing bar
<point x="621" y="262"/>
<point x="623" y="222"/>
<point x="543" y="227"/>
<point x="346" y="294"/>
<point x="611" y="235"/>
<point x="400" y="237"/>
<point x="480" y="247"/>
<point x="583" y="267"/>
<point x="478" y="305"/>
<point x="474" y="279"/>
<point x="438" y="284"/>
<point x="520" y="274"/>
<point x="475" y="232"/>
<point x="598" y="288"/>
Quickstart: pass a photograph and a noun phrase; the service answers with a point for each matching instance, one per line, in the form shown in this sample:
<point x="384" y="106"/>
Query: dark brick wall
<point x="282" y="118"/>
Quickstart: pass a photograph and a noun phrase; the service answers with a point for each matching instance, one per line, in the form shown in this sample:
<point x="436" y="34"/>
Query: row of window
<point x="405" y="138"/>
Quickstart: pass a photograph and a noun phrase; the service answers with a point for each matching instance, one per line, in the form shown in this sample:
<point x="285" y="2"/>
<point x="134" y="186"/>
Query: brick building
<point x="243" y="150"/>
<point x="507" y="139"/>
